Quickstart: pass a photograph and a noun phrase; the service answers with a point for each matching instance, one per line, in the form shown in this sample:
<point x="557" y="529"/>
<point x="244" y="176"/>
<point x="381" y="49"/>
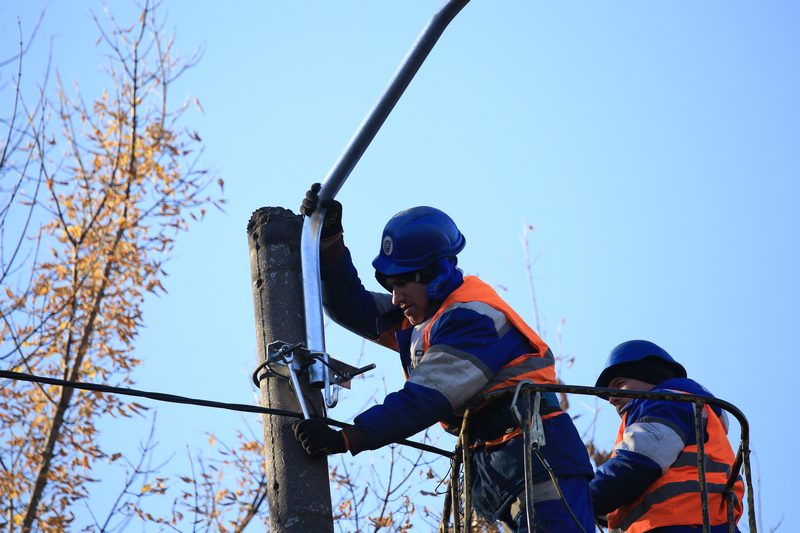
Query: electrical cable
<point x="172" y="398"/>
<point x="558" y="487"/>
<point x="265" y="365"/>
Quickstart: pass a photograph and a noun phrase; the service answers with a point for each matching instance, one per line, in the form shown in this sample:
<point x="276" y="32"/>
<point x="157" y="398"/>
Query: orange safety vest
<point x="674" y="498"/>
<point x="537" y="366"/>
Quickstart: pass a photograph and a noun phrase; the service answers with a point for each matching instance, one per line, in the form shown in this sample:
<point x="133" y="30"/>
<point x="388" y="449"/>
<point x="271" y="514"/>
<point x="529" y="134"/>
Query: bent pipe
<point x="312" y="226"/>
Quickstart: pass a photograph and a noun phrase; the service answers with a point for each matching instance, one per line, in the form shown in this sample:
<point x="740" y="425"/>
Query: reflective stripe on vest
<point x="690" y="459"/>
<point x="675" y="498"/>
<point x="538" y="366"/>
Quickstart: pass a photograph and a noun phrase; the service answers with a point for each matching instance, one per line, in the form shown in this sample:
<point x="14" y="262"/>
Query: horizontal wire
<point x="172" y="398"/>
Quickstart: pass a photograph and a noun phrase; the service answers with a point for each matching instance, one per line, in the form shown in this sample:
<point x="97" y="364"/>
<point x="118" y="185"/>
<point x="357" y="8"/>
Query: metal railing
<point x="461" y="456"/>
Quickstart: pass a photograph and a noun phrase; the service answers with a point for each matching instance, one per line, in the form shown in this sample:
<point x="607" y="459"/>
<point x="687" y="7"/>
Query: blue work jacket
<point x="477" y="341"/>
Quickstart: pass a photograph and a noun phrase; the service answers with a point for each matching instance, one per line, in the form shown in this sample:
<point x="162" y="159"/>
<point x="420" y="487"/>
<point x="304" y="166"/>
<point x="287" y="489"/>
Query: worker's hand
<point x="317" y="438"/>
<point x="332" y="224"/>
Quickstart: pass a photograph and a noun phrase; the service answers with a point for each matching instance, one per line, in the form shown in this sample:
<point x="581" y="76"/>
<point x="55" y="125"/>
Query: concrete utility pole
<point x="299" y="491"/>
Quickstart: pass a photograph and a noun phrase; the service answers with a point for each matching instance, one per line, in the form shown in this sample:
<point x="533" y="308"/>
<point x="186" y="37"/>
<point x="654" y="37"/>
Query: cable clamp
<point x="530" y="421"/>
<point x="297" y="359"/>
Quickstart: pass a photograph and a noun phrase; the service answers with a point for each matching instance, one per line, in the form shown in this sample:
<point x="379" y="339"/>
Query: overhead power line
<point x="172" y="398"/>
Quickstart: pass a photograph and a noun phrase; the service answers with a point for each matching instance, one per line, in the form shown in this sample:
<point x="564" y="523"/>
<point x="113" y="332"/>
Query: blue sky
<point x="652" y="145"/>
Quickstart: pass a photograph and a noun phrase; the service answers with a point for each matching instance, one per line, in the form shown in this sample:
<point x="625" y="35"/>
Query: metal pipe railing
<point x="699" y="435"/>
<point x="467" y="471"/>
<point x="741" y="461"/>
<point x="312" y="226"/>
<point x="527" y="459"/>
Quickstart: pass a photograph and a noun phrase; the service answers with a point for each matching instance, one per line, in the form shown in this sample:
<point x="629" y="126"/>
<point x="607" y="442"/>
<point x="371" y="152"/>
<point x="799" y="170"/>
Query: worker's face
<point x="410" y="296"/>
<point x="626" y="384"/>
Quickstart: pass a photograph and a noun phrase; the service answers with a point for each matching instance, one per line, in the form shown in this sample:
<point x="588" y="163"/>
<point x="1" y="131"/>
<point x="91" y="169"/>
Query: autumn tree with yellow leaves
<point x="93" y="192"/>
<point x="93" y="196"/>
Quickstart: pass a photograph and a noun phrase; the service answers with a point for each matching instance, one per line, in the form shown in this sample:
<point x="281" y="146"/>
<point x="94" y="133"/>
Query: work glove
<point x="332" y="223"/>
<point x="317" y="438"/>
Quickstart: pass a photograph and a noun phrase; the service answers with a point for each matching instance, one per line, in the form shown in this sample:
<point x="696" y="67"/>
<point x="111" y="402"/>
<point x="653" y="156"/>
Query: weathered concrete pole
<point x="299" y="492"/>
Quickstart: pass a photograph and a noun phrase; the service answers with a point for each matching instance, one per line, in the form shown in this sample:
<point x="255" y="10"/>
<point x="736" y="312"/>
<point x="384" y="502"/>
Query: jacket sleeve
<point x="348" y="303"/>
<point x="654" y="437"/>
<point x="461" y="360"/>
<point x="621" y="480"/>
<point x="402" y="414"/>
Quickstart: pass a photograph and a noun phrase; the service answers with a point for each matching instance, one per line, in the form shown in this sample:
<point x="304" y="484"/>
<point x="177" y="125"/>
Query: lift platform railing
<point x="461" y="456"/>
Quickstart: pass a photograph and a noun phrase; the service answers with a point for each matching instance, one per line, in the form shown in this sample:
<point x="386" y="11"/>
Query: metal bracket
<point x="533" y="438"/>
<point x="534" y="425"/>
<point x="298" y="359"/>
<point x="341" y="374"/>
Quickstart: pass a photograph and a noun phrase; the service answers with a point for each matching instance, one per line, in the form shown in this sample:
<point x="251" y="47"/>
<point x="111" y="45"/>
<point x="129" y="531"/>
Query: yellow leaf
<point x="147" y="488"/>
<point x="74" y="231"/>
<point x="211" y="440"/>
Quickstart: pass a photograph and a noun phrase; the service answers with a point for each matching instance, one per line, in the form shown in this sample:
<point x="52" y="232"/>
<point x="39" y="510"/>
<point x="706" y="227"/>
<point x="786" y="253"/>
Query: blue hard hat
<point x="623" y="358"/>
<point x="413" y="239"/>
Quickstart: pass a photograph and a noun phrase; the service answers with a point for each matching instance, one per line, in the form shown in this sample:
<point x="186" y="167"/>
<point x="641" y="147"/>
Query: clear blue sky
<point x="653" y="145"/>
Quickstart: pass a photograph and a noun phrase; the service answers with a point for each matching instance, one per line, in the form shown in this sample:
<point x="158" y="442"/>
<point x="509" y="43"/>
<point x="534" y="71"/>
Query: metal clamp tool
<point x="299" y="361"/>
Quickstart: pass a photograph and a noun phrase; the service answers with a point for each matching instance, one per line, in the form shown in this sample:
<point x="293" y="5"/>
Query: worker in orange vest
<point x="460" y="346"/>
<point x="651" y="482"/>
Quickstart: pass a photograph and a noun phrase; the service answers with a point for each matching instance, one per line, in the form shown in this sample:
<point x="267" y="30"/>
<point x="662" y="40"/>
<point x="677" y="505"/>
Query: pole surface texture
<point x="299" y="491"/>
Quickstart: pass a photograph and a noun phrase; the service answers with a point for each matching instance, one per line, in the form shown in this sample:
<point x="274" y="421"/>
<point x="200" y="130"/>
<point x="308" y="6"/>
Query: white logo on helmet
<point x="388" y="245"/>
